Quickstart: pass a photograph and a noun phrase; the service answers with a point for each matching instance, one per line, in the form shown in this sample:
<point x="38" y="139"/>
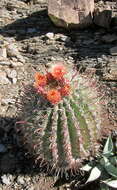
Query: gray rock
<point x="5" y="62"/>
<point x="50" y="35"/>
<point x="71" y="14"/>
<point x="20" y="180"/>
<point x="6" y="179"/>
<point x="12" y="50"/>
<point x="12" y="74"/>
<point x="14" y="80"/>
<point x="6" y="101"/>
<point x="63" y="38"/>
<point x="16" y="64"/>
<point x="3" y="78"/>
<point x="111" y="73"/>
<point x="3" y="52"/>
<point x="109" y="38"/>
<point x="3" y="149"/>
<point x="21" y="59"/>
<point x="113" y="50"/>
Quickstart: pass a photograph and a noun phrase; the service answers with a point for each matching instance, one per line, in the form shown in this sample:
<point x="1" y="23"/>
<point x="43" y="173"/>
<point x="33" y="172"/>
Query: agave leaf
<point x="95" y="174"/>
<point x="110" y="168"/>
<point x="112" y="183"/>
<point x="113" y="160"/>
<point x="86" y="168"/>
<point x="108" y="148"/>
<point x="104" y="187"/>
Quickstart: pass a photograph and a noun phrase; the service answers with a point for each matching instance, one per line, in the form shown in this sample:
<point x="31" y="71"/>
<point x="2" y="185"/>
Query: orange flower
<point x="40" y="80"/>
<point x="53" y="96"/>
<point x="65" y="91"/>
<point x="58" y="72"/>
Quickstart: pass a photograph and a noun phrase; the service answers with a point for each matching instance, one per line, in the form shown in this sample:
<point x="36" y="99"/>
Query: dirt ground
<point x="28" y="41"/>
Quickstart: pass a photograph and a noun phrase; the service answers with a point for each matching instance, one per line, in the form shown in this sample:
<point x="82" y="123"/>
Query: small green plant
<point x="63" y="119"/>
<point x="104" y="168"/>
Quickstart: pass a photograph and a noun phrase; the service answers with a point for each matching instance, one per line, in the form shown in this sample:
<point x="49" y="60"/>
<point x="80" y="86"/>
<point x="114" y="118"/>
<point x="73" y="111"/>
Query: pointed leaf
<point x="108" y="148"/>
<point x="86" y="168"/>
<point x="112" y="170"/>
<point x="112" y="183"/>
<point x="113" y="160"/>
<point x="95" y="174"/>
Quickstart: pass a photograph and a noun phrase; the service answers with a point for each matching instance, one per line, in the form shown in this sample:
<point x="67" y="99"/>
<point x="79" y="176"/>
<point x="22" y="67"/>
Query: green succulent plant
<point x="104" y="168"/>
<point x="63" y="136"/>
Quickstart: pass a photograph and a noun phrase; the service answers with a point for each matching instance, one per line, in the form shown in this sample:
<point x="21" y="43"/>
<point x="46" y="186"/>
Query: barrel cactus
<point x="62" y="118"/>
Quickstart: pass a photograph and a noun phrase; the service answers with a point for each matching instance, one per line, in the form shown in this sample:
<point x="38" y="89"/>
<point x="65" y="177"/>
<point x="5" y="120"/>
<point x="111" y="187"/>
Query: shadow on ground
<point x="13" y="158"/>
<point x="82" y="43"/>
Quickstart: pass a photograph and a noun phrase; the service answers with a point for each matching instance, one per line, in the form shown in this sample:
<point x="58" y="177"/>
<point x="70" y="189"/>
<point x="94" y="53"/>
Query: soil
<point x="29" y="41"/>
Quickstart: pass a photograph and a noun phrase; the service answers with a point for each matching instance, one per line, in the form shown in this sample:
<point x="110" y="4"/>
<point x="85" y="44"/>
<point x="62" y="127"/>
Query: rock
<point x="6" y="101"/>
<point x="14" y="80"/>
<point x="31" y="188"/>
<point x="16" y="64"/>
<point x="5" y="62"/>
<point x="3" y="78"/>
<point x="12" y="74"/>
<point x="102" y="17"/>
<point x="13" y="5"/>
<point x="109" y="38"/>
<point x="12" y="50"/>
<point x="3" y="52"/>
<point x="6" y="180"/>
<point x="62" y="38"/>
<point x="21" y="59"/>
<point x="111" y="75"/>
<point x="20" y="180"/>
<point x="50" y="35"/>
<point x="113" y="50"/>
<point x="71" y="14"/>
<point x="3" y="149"/>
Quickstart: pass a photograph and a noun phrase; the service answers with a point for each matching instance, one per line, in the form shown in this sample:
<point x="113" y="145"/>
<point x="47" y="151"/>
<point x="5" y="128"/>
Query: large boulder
<point x="71" y="13"/>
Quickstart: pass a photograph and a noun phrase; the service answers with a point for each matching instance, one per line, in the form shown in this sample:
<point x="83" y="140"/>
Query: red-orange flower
<point x="53" y="96"/>
<point x="58" y="72"/>
<point x="40" y="80"/>
<point x="65" y="91"/>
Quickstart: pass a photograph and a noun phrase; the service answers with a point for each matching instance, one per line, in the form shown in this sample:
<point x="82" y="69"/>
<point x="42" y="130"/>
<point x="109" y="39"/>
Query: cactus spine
<point x="64" y="134"/>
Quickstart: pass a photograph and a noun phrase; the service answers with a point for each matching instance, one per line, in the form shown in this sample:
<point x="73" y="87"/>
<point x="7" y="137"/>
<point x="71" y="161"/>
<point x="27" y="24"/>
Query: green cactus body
<point x="62" y="136"/>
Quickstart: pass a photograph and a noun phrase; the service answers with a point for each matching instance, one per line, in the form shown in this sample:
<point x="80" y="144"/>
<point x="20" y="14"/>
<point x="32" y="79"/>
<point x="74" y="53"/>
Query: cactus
<point x="63" y="118"/>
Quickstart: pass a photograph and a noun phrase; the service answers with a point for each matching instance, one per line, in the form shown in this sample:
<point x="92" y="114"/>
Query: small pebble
<point x="20" y="180"/>
<point x="50" y="35"/>
<point x="12" y="74"/>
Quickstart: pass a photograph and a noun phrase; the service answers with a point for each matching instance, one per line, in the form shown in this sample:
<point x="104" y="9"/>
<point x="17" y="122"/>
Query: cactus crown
<point x="63" y="118"/>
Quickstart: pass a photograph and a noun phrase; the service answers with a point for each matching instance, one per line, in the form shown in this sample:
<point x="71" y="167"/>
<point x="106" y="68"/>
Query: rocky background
<point x="28" y="41"/>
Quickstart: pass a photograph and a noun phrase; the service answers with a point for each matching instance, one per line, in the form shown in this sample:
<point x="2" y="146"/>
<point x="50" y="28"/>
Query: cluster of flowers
<point x="53" y="85"/>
